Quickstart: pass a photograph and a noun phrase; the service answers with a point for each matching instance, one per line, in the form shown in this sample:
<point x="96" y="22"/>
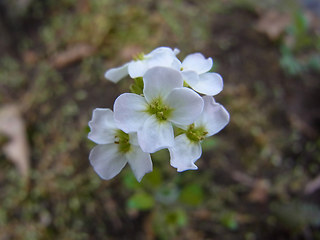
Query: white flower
<point x="195" y="71"/>
<point x="165" y="102"/>
<point x="115" y="148"/>
<point x="187" y="148"/>
<point x="162" y="56"/>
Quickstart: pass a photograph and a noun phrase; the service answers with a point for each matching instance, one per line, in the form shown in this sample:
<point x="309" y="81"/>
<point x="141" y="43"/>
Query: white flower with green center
<point x="162" y="56"/>
<point x="115" y="148"/>
<point x="195" y="71"/>
<point x="165" y="102"/>
<point x="187" y="146"/>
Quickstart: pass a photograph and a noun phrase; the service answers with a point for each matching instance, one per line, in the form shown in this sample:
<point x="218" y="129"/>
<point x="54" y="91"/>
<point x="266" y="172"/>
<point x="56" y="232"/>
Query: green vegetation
<point x="301" y="51"/>
<point x="256" y="178"/>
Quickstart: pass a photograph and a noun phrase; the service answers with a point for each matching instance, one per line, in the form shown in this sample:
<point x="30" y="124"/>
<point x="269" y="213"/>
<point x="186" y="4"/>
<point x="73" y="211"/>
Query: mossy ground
<point x="252" y="176"/>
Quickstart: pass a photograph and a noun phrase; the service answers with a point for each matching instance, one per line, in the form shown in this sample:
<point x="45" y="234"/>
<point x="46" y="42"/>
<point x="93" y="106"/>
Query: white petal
<point x="176" y="64"/>
<point x="102" y="126"/>
<point x="176" y="51"/>
<point x="182" y="126"/>
<point x="137" y="68"/>
<point x="159" y="82"/>
<point x="133" y="139"/>
<point x="115" y="74"/>
<point x="158" y="51"/>
<point x="197" y="62"/>
<point x="163" y="58"/>
<point x="210" y="84"/>
<point x="155" y="135"/>
<point x="214" y="116"/>
<point x="184" y="153"/>
<point x="129" y="112"/>
<point x="191" y="77"/>
<point x="106" y="160"/>
<point x="187" y="105"/>
<point x="140" y="162"/>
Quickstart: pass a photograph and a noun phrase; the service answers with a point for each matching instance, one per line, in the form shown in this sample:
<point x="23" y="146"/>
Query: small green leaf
<point x="154" y="178"/>
<point x="176" y="218"/>
<point x="192" y="195"/>
<point x="141" y="201"/>
<point x="160" y="155"/>
<point x="300" y="23"/>
<point x="167" y="194"/>
<point x="208" y="144"/>
<point x="229" y="220"/>
<point x="87" y="129"/>
<point x="130" y="181"/>
<point x="314" y="63"/>
<point x="137" y="86"/>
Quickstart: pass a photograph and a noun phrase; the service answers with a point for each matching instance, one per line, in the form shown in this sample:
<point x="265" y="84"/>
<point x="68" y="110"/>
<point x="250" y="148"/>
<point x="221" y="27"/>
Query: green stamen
<point x="162" y="112"/>
<point x="122" y="139"/>
<point x="139" y="57"/>
<point x="196" y="134"/>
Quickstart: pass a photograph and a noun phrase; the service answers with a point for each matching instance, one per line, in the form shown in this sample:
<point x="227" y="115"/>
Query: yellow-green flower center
<point x="159" y="109"/>
<point x="196" y="134"/>
<point x="122" y="140"/>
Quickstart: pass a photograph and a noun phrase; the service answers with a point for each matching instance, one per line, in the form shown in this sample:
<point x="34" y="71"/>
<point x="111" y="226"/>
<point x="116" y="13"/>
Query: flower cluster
<point x="163" y="110"/>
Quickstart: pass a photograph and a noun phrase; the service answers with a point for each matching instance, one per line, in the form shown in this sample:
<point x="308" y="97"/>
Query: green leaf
<point x="208" y="144"/>
<point x="300" y="23"/>
<point x="130" y="181"/>
<point x="154" y="178"/>
<point x="229" y="220"/>
<point x="167" y="194"/>
<point x="314" y="63"/>
<point x="137" y="86"/>
<point x="141" y="201"/>
<point x="192" y="195"/>
<point x="176" y="218"/>
<point x="289" y="63"/>
<point x="160" y="155"/>
<point x="87" y="129"/>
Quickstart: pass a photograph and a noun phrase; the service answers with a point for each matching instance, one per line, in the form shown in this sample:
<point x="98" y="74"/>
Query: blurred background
<point x="258" y="178"/>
